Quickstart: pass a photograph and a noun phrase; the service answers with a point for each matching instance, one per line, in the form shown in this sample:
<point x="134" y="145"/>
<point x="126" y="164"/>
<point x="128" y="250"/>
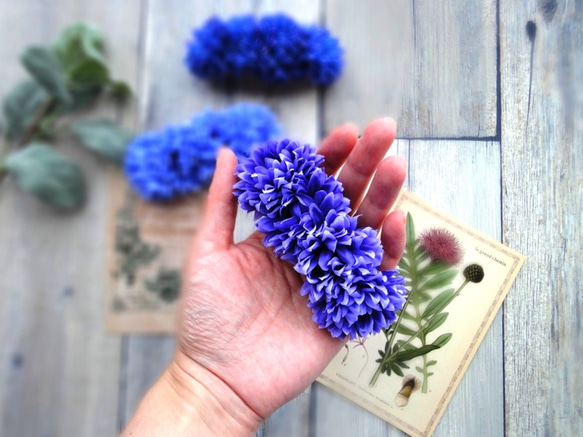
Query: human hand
<point x="246" y="339"/>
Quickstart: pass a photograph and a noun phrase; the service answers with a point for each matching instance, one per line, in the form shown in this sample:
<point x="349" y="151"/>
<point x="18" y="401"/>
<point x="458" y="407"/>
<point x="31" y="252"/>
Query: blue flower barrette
<point x="273" y="49"/>
<point x="179" y="160"/>
<point x="306" y="219"/>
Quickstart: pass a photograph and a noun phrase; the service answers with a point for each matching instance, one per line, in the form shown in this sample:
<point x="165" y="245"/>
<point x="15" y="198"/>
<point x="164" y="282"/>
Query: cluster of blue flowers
<point x="273" y="49"/>
<point x="181" y="159"/>
<point x="306" y="219"/>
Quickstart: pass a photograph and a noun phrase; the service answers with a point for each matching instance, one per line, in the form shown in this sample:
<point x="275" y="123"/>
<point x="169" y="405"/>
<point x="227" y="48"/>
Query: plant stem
<point x="4" y="151"/>
<point x="388" y="357"/>
<point x="458" y="291"/>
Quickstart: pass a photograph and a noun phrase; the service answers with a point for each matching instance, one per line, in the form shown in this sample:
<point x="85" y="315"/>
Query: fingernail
<point x="403" y="216"/>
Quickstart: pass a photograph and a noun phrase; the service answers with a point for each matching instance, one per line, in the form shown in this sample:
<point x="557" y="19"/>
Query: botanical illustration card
<point x="147" y="244"/>
<point x="456" y="279"/>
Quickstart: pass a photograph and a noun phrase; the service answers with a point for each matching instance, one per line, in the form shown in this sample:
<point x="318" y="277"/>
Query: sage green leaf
<point x="440" y="280"/>
<point x="50" y="176"/>
<point x="438" y="303"/>
<point x="43" y="65"/>
<point x="120" y="89"/>
<point x="381" y="353"/>
<point x="419" y="369"/>
<point x="103" y="137"/>
<point x="432" y="362"/>
<point x="435" y="323"/>
<point x="89" y="73"/>
<point x="83" y="97"/>
<point x="21" y="105"/>
<point x="440" y="341"/>
<point x="408" y="355"/>
<point x="79" y="50"/>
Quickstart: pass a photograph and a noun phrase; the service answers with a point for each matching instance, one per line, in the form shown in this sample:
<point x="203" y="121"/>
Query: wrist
<point x="222" y="410"/>
<point x="189" y="400"/>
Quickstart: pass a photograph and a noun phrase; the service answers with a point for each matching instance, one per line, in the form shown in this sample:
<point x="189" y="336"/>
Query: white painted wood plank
<point x="462" y="178"/>
<point x="431" y="65"/>
<point x="542" y="133"/>
<point x="59" y="370"/>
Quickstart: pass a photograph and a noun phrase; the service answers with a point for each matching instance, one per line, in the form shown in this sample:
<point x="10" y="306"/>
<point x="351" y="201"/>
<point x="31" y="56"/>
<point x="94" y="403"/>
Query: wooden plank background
<point x="490" y="120"/>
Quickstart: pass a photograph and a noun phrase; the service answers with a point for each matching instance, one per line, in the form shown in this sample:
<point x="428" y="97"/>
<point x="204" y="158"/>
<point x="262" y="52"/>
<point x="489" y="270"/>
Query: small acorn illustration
<point x="410" y="384"/>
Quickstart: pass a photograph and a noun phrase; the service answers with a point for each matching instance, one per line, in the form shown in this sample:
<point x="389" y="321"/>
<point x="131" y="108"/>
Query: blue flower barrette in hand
<point x="306" y="219"/>
<point x="273" y="49"/>
<point x="180" y="160"/>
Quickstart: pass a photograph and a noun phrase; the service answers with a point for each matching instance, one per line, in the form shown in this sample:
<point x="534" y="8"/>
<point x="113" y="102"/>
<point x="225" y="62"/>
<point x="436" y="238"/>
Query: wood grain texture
<point x="169" y="94"/>
<point x="59" y="370"/>
<point x="542" y="133"/>
<point x="336" y="416"/>
<point x="432" y="65"/>
<point x="462" y="178"/>
<point x="450" y="175"/>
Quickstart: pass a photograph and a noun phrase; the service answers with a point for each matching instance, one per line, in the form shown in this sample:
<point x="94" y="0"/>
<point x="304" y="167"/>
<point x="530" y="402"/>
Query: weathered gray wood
<point x="169" y="94"/>
<point x="59" y="370"/>
<point x="432" y="65"/>
<point x="542" y="133"/>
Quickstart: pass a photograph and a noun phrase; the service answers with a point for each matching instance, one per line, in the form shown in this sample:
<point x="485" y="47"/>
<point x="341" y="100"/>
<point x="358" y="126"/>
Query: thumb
<point x="221" y="209"/>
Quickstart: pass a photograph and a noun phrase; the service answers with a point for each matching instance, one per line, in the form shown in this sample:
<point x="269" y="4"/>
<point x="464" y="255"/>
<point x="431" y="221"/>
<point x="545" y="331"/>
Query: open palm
<point x="243" y="320"/>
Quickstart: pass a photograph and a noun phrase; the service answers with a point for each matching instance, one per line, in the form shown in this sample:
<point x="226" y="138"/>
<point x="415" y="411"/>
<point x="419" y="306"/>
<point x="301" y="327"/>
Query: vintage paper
<point x="147" y="245"/>
<point x="415" y="401"/>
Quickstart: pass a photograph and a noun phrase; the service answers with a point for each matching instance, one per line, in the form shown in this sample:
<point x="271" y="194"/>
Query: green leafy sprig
<point x="422" y="313"/>
<point x="65" y="77"/>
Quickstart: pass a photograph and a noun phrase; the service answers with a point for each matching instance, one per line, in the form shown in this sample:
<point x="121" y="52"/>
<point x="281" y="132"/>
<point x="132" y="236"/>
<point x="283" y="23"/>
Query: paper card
<point x="147" y="245"/>
<point x="439" y="331"/>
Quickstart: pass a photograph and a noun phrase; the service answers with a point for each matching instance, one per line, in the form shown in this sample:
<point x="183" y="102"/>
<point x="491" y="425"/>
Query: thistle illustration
<point x="428" y="266"/>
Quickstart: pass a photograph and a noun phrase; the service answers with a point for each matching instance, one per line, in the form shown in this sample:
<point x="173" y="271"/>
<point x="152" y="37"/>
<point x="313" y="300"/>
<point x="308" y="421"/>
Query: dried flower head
<point x="442" y="245"/>
<point x="474" y="273"/>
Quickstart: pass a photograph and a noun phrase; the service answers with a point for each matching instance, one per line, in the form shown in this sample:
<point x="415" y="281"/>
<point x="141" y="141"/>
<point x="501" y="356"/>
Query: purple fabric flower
<point x="356" y="303"/>
<point x="306" y="219"/>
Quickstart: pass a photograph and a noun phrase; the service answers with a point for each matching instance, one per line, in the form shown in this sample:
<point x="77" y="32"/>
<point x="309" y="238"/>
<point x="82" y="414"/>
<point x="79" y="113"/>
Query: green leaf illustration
<point x="50" y="176"/>
<point x="435" y="323"/>
<point x="438" y="303"/>
<point x="440" y="341"/>
<point x="402" y="329"/>
<point x="408" y="355"/>
<point x="440" y="280"/>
